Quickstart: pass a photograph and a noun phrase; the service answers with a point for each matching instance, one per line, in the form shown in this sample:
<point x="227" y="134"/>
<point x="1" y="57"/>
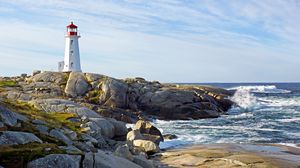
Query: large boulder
<point x="56" y="161"/>
<point x="149" y="131"/>
<point x="76" y="85"/>
<point x="103" y="160"/>
<point x="148" y="146"/>
<point x="113" y="93"/>
<point x="54" y="77"/>
<point x="106" y="127"/>
<point x="133" y="135"/>
<point x="120" y="127"/>
<point x="17" y="138"/>
<point x="123" y="151"/>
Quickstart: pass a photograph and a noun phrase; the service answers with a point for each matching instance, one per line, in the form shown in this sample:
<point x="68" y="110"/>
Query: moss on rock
<point x="20" y="155"/>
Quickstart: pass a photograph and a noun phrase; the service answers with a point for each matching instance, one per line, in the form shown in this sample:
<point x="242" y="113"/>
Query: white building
<point x="72" y="58"/>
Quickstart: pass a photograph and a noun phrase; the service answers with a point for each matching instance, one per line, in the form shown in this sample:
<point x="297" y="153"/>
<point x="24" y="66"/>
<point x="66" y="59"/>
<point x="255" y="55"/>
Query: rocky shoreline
<point x="55" y="119"/>
<point x="230" y="155"/>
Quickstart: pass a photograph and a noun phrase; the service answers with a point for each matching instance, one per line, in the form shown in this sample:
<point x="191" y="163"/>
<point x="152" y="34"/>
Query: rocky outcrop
<point x="53" y="77"/>
<point x="76" y="85"/>
<point x="57" y="161"/>
<point x="113" y="93"/>
<point x="84" y="114"/>
<point x="16" y="138"/>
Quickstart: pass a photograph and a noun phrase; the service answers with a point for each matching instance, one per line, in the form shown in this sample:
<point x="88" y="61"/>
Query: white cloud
<point x="166" y="40"/>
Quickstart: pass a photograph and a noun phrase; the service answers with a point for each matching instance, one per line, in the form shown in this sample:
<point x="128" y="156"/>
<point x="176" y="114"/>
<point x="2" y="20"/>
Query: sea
<point x="264" y="113"/>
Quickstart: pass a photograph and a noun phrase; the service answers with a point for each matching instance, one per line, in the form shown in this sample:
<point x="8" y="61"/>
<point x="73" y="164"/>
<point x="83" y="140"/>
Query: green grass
<point x="19" y="155"/>
<point x="94" y="96"/>
<point x="53" y="120"/>
<point x="8" y="83"/>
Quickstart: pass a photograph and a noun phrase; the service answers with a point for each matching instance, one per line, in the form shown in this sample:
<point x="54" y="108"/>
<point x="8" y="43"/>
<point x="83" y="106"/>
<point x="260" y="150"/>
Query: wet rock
<point x="148" y="146"/>
<point x="1" y="124"/>
<point x="56" y="161"/>
<point x="123" y="151"/>
<point x="76" y="85"/>
<point x="170" y="136"/>
<point x="16" y="138"/>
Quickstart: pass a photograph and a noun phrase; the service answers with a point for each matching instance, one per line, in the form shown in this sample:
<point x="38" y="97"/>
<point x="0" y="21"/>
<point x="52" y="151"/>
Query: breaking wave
<point x="261" y="89"/>
<point x="258" y="117"/>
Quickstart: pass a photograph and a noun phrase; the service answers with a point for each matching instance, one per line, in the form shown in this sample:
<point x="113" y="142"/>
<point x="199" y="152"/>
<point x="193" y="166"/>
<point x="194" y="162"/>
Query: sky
<point x="165" y="40"/>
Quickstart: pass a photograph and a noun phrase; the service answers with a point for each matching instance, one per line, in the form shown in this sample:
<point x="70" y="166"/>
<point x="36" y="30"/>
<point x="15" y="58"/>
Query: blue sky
<point x="165" y="40"/>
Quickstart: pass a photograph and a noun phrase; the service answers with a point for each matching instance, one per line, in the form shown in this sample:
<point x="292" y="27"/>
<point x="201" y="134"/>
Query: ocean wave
<point x="280" y="101"/>
<point x="287" y="120"/>
<point x="244" y="99"/>
<point x="261" y="89"/>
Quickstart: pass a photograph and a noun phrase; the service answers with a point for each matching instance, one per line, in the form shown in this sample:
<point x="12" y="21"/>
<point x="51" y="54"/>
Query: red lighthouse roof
<point x="71" y="25"/>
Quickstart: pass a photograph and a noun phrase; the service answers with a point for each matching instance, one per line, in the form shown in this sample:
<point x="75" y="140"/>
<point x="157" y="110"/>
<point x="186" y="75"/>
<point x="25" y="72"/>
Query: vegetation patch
<point x="53" y="120"/>
<point x="8" y="83"/>
<point x="20" y="155"/>
<point x="94" y="96"/>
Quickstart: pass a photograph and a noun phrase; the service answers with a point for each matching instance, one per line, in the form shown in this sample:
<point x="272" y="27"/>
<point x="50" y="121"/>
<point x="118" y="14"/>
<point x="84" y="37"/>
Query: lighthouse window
<point x="71" y="51"/>
<point x="71" y="64"/>
<point x="71" y="42"/>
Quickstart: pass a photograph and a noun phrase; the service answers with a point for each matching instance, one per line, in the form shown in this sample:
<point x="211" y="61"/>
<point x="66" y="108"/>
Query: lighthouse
<point x="71" y="61"/>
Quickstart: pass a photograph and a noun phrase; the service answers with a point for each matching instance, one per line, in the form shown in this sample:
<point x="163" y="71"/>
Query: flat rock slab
<point x="16" y="138"/>
<point x="109" y="161"/>
<point x="61" y="105"/>
<point x="230" y="155"/>
<point x="10" y="118"/>
<point x="58" y="134"/>
<point x="56" y="161"/>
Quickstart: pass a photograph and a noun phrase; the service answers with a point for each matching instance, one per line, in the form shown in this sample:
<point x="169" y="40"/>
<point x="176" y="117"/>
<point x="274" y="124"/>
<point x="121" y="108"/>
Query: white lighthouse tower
<point x="72" y="58"/>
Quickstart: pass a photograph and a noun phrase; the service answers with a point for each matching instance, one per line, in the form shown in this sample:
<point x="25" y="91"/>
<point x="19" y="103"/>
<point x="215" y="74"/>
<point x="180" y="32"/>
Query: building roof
<point x="71" y="25"/>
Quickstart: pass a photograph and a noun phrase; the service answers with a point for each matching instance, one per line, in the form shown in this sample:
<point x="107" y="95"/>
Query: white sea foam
<point x="261" y="89"/>
<point x="287" y="120"/>
<point x="280" y="102"/>
<point x="244" y="98"/>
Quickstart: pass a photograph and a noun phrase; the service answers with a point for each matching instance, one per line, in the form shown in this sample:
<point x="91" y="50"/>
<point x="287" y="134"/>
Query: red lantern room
<point x="72" y="30"/>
